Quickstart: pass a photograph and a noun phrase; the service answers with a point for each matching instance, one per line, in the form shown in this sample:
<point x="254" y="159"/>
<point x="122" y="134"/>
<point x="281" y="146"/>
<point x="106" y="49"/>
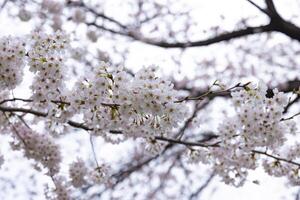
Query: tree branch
<point x="258" y="7"/>
<point x="271" y="9"/>
<point x="97" y="14"/>
<point x="291" y="103"/>
<point x="23" y="110"/>
<point x="170" y="140"/>
<point x="219" y="38"/>
<point x="276" y="157"/>
<point x="195" y="194"/>
<point x="277" y="23"/>
<point x="82" y="126"/>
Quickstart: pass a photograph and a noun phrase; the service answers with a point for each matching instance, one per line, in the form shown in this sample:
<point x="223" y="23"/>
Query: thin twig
<point x="291" y="117"/>
<point x="93" y="150"/>
<point x="202" y="187"/>
<point x="212" y="93"/>
<point x="276" y="157"/>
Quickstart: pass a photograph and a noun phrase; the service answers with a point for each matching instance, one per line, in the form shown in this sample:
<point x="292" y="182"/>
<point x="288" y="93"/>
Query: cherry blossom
<point x="110" y="103"/>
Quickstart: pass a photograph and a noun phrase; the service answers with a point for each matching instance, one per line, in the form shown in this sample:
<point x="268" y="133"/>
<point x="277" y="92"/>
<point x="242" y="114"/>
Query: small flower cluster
<point x="53" y="9"/>
<point x="12" y="62"/>
<point x="78" y="15"/>
<point x="197" y="155"/>
<point x="154" y="146"/>
<point x="285" y="169"/>
<point x="47" y="62"/>
<point x="257" y="125"/>
<point x="99" y="175"/>
<point x="80" y="174"/>
<point x="39" y="147"/>
<point x="77" y="172"/>
<point x="61" y="190"/>
<point x="24" y="15"/>
<point x="260" y="117"/>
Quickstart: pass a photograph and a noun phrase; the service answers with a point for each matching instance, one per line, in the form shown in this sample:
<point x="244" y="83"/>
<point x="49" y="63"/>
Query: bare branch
<point x="276" y="24"/>
<point x="23" y="110"/>
<point x="291" y="117"/>
<point x="271" y="9"/>
<point x="195" y="194"/>
<point x="276" y="157"/>
<point x="291" y="103"/>
<point x="210" y="93"/>
<point x="97" y="14"/>
<point x="219" y="38"/>
<point x="258" y="7"/>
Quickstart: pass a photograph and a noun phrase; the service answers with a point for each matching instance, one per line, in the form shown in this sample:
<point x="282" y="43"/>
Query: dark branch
<point x="23" y="110"/>
<point x="220" y="38"/>
<point x="289" y="86"/>
<point x="82" y="126"/>
<point x="97" y="14"/>
<point x="258" y="7"/>
<point x="276" y="24"/>
<point x="271" y="9"/>
<point x="195" y="194"/>
<point x="212" y="94"/>
<point x="186" y="143"/>
<point x="291" y="103"/>
<point x="276" y="157"/>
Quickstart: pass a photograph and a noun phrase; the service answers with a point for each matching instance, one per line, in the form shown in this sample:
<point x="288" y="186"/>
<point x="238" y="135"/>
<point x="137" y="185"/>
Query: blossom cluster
<point x="43" y="150"/>
<point x="142" y="105"/>
<point x="61" y="190"/>
<point x="12" y="62"/>
<point x="77" y="172"/>
<point x="81" y="175"/>
<point x="257" y="125"/>
<point x="53" y="9"/>
<point x="40" y="147"/>
<point x="47" y="62"/>
<point x="278" y="168"/>
<point x="50" y="12"/>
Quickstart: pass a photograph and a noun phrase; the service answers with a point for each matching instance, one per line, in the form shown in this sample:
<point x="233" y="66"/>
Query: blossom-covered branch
<point x="113" y="105"/>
